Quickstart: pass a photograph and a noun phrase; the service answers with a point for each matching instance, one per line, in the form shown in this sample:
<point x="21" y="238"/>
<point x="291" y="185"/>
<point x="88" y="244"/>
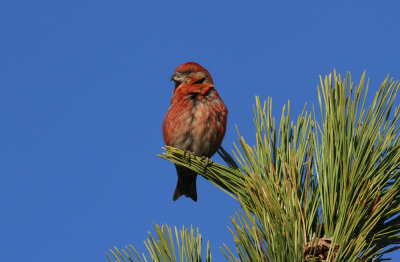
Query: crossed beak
<point x="177" y="78"/>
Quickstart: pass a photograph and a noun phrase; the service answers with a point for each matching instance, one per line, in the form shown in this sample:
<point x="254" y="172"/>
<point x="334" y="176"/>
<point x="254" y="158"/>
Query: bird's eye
<point x="189" y="72"/>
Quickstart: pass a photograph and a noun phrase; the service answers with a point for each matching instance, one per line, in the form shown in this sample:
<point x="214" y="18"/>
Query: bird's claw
<point x="208" y="160"/>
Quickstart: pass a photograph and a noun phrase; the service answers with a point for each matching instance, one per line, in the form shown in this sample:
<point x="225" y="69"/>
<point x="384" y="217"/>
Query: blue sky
<point x="84" y="88"/>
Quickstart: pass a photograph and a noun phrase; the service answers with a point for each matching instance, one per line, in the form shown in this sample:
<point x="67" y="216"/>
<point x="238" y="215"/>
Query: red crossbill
<point x="195" y="121"/>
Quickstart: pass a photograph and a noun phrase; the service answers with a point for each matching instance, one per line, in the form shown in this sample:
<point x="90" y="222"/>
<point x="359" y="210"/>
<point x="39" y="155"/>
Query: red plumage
<point x="195" y="121"/>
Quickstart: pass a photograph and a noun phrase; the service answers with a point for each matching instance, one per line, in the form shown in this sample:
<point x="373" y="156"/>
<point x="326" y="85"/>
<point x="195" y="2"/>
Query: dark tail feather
<point x="186" y="183"/>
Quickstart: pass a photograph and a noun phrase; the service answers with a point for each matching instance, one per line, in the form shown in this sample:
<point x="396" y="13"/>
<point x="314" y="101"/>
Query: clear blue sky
<point x="84" y="88"/>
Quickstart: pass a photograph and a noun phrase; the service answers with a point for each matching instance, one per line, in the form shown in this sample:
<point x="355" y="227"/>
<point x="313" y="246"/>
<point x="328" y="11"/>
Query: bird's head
<point x="191" y="73"/>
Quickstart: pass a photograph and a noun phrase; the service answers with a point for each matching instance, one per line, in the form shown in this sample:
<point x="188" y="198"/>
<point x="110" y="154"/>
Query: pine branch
<point x="188" y="247"/>
<point x="309" y="191"/>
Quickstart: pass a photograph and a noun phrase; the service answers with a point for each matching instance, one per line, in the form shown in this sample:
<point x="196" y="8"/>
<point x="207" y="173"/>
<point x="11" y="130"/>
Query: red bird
<point x="195" y="121"/>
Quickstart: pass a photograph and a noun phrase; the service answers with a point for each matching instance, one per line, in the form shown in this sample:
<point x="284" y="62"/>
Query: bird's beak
<point x="177" y="78"/>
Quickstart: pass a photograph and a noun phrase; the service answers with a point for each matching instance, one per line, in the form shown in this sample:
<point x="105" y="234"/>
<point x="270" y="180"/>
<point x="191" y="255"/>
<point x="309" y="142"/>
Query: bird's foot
<point x="189" y="154"/>
<point x="208" y="160"/>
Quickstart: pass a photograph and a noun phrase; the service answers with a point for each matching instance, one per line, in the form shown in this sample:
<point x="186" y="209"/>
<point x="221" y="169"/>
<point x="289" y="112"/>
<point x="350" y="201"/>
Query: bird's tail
<point x="186" y="183"/>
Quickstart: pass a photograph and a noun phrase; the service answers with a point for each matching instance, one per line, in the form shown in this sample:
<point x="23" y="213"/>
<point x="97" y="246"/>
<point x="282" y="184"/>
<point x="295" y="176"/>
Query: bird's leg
<point x="208" y="160"/>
